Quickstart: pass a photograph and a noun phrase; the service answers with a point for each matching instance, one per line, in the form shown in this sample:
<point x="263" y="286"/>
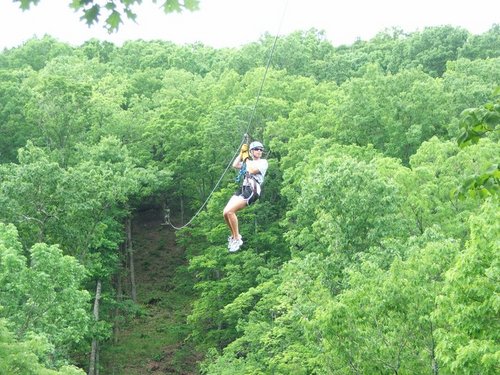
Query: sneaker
<point x="230" y="241"/>
<point x="235" y="245"/>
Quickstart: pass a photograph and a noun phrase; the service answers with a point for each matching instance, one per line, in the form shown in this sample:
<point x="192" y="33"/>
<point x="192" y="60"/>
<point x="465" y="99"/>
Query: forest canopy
<point x="373" y="249"/>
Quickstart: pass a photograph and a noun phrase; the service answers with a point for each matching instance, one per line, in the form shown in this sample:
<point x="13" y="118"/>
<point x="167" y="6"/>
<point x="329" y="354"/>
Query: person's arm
<point x="252" y="167"/>
<point x="238" y="163"/>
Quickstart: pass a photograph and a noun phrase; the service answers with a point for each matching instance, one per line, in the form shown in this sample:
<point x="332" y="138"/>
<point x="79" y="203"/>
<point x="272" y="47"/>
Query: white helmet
<point x="255" y="145"/>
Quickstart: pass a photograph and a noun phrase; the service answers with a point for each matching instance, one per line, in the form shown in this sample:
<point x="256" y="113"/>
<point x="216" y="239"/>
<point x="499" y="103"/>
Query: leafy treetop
<point x="114" y="10"/>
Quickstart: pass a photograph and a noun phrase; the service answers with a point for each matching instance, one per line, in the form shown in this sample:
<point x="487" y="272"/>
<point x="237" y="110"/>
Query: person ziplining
<point x="253" y="169"/>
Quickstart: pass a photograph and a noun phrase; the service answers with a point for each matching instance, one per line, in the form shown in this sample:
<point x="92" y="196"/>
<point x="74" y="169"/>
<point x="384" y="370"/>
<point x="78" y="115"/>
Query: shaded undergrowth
<point x="155" y="341"/>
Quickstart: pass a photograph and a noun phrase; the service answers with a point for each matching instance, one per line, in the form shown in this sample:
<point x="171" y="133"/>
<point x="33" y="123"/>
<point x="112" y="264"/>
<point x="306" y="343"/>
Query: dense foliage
<point x="374" y="248"/>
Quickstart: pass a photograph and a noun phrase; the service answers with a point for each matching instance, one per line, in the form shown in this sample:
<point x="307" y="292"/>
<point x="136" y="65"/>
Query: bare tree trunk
<point x="94" y="355"/>
<point x="434" y="362"/>
<point x="119" y="299"/>
<point x="130" y="252"/>
<point x="97" y="359"/>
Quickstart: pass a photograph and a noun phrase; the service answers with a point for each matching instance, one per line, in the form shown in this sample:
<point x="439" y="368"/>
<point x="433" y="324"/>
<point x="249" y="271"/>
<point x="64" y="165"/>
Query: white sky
<point x="231" y="23"/>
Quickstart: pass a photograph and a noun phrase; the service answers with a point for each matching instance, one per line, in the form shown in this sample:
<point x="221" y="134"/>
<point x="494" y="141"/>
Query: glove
<point x="244" y="155"/>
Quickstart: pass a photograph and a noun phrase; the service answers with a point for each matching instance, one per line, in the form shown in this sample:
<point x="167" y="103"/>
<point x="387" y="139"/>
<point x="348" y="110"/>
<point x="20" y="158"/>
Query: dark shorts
<point x="247" y="193"/>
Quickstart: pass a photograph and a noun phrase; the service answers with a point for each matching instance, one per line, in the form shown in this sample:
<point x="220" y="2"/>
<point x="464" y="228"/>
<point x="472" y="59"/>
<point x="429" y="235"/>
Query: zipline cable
<point x="245" y="136"/>
<point x="265" y="72"/>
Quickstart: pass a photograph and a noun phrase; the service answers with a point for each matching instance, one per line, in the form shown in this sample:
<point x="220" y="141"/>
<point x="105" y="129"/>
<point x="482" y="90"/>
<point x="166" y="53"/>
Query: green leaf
<point x="25" y="4"/>
<point x="192" y="4"/>
<point x="110" y="5"/>
<point x="171" y="6"/>
<point x="130" y="14"/>
<point x="91" y="15"/>
<point x="114" y="20"/>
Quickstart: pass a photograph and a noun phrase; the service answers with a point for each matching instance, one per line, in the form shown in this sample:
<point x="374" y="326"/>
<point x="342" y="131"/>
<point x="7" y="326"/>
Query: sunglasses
<point x="258" y="149"/>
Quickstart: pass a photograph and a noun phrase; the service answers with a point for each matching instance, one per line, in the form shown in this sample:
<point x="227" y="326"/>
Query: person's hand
<point x="244" y="155"/>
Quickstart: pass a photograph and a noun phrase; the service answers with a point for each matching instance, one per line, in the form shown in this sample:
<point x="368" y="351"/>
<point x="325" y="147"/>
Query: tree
<point x="434" y="47"/>
<point x="14" y="127"/>
<point x="35" y="53"/>
<point x="391" y="111"/>
<point x="272" y="318"/>
<point x="382" y="323"/>
<point x="302" y="53"/>
<point x="469" y="84"/>
<point x="437" y="168"/>
<point x="27" y="356"/>
<point x="482" y="46"/>
<point x="42" y="294"/>
<point x="467" y="309"/>
<point x="114" y="11"/>
<point x="30" y="196"/>
<point x="100" y="50"/>
<point x="74" y="206"/>
<point x="59" y="110"/>
<point x="477" y="123"/>
<point x="359" y="206"/>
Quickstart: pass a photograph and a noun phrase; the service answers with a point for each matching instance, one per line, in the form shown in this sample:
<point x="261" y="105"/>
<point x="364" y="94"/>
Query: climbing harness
<point x="242" y="173"/>
<point x="245" y="137"/>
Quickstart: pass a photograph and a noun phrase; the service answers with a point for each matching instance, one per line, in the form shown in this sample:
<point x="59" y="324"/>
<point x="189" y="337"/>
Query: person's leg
<point x="235" y="204"/>
<point x="226" y="218"/>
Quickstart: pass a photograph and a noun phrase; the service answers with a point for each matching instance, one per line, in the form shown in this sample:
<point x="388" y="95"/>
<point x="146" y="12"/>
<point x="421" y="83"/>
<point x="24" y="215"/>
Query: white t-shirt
<point x="252" y="179"/>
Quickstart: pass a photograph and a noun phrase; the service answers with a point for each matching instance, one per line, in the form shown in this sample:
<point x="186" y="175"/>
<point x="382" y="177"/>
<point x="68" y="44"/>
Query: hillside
<point x="154" y="342"/>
